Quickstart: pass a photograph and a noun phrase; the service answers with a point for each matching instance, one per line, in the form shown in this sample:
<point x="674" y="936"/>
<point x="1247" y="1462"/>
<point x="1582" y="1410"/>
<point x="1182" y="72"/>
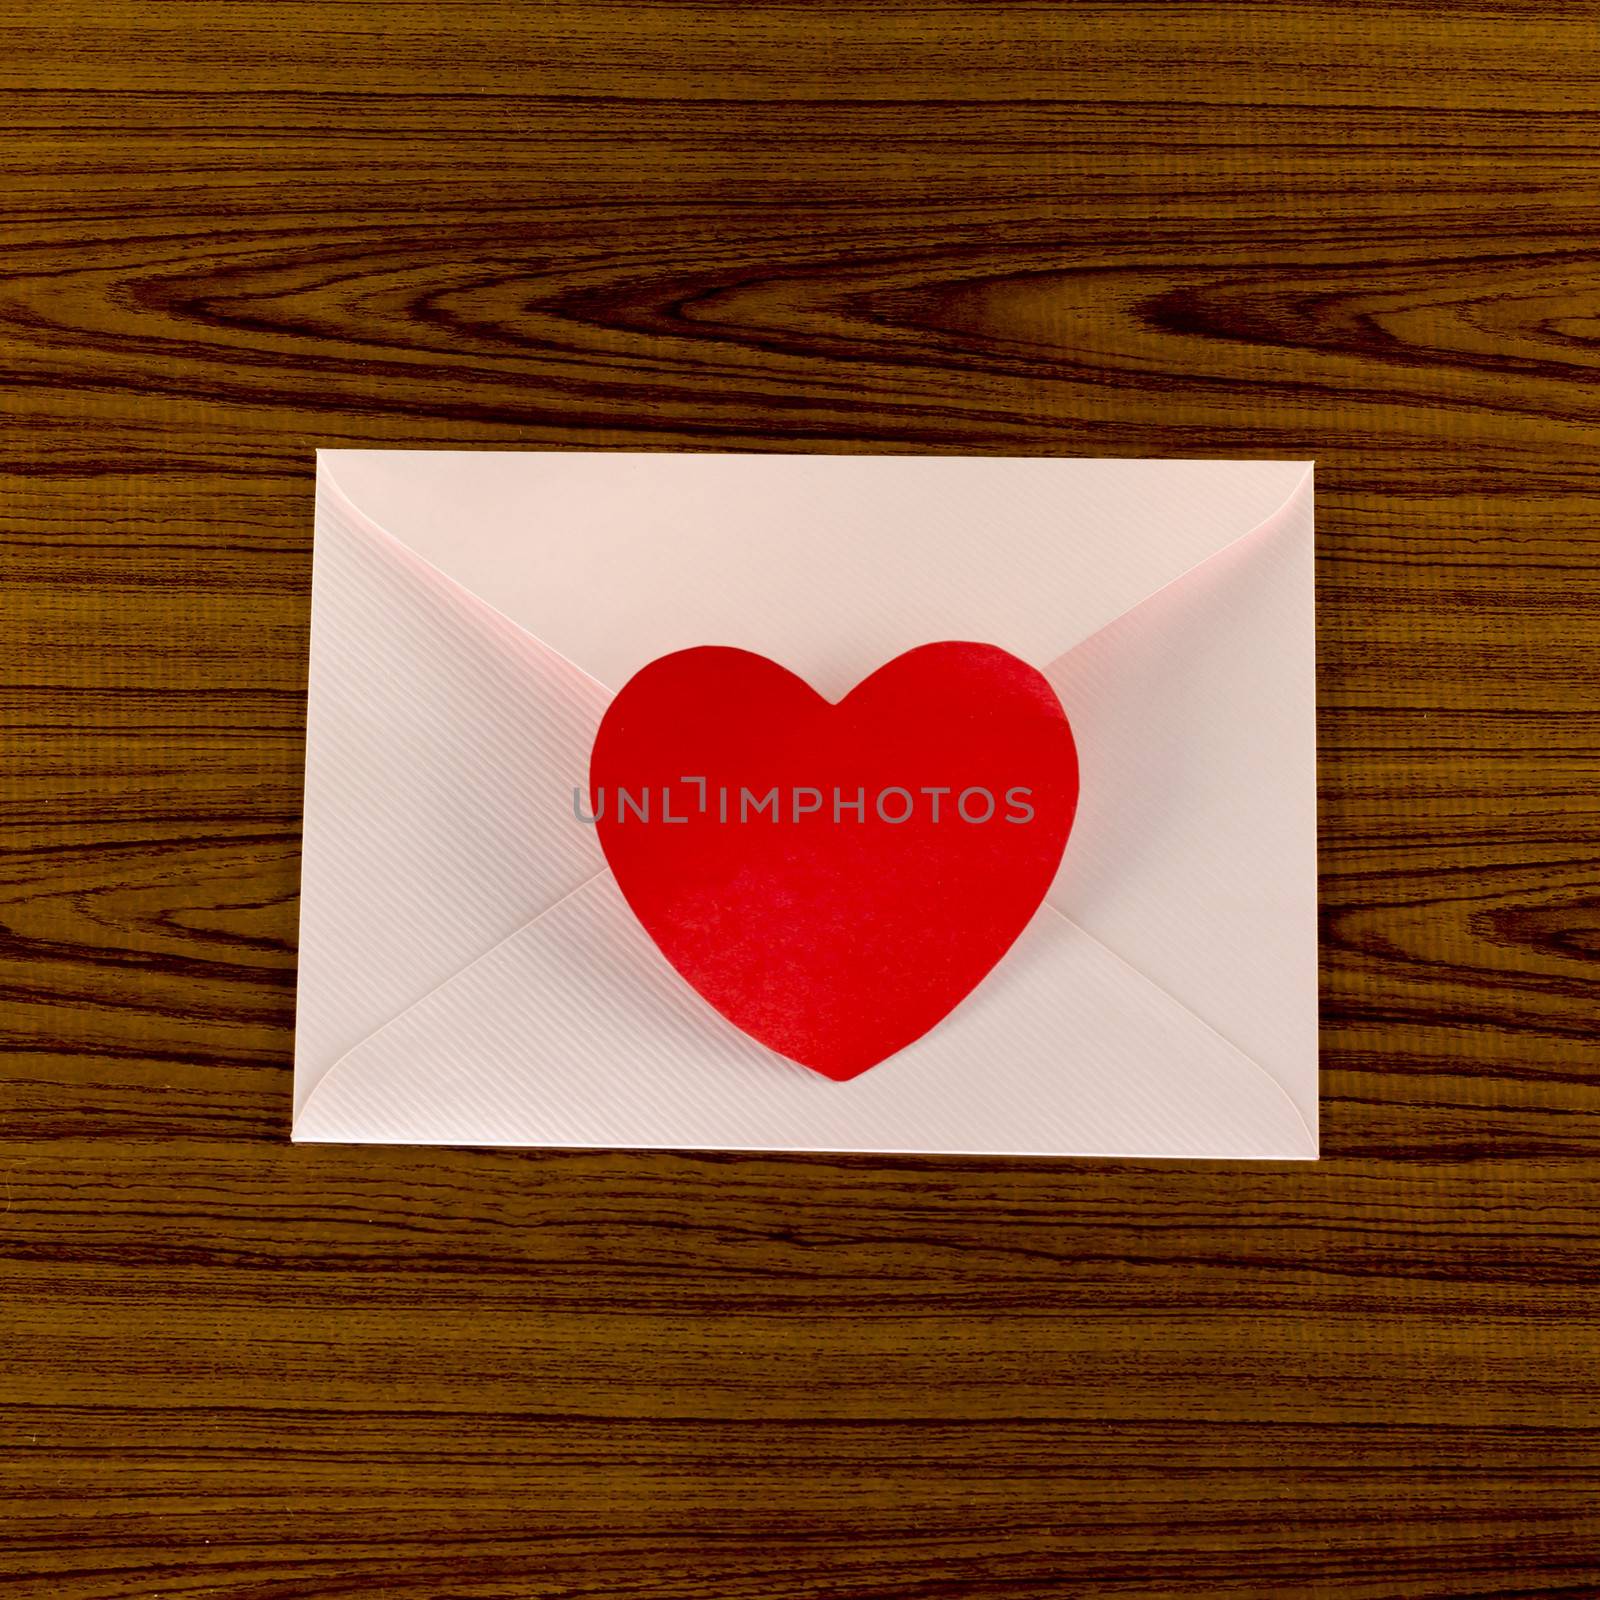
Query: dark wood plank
<point x="231" y="233"/>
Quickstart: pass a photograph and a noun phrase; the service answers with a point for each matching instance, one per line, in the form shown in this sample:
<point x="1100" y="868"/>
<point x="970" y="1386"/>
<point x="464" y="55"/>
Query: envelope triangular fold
<point x="830" y="564"/>
<point x="1194" y="853"/>
<point x="442" y="742"/>
<point x="575" y="1032"/>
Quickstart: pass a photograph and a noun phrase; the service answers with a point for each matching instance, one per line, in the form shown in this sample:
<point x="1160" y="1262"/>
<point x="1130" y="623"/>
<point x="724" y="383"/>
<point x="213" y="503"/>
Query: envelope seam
<point x="1188" y="1011"/>
<point x="348" y="507"/>
<point x="1183" y="577"/>
<point x="422" y="999"/>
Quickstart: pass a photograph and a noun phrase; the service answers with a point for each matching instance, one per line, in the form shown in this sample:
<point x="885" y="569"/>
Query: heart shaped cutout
<point x="834" y="879"/>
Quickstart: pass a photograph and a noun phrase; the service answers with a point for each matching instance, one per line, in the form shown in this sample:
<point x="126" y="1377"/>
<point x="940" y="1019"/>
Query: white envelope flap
<point x="830" y="565"/>
<point x="442" y="742"/>
<point x="576" y="1032"/>
<point x="1194" y="852"/>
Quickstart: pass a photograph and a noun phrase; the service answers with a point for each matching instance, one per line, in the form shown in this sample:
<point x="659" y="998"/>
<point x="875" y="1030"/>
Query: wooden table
<point x="1368" y="233"/>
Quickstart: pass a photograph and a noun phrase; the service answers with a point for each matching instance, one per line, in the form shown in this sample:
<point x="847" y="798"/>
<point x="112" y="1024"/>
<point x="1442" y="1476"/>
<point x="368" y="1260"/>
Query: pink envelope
<point x="469" y="973"/>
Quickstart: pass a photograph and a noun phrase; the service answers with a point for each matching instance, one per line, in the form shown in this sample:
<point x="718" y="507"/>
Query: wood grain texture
<point x="233" y="231"/>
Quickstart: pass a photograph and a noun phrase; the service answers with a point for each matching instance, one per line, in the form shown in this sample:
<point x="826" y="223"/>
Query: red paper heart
<point x="835" y="937"/>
